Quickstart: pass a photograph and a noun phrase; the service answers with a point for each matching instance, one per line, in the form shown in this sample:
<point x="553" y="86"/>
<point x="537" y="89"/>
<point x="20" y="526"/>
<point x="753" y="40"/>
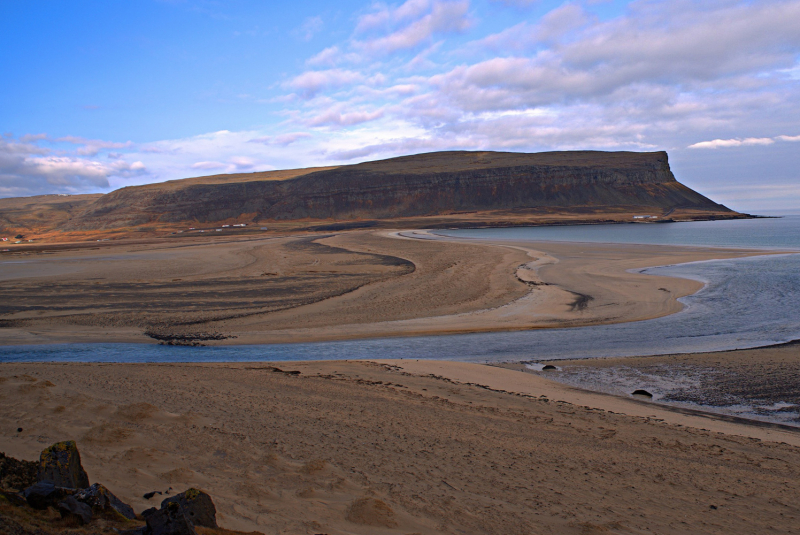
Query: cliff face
<point x="421" y="185"/>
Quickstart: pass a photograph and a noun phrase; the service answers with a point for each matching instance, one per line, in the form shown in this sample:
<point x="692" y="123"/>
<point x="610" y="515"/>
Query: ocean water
<point x="765" y="233"/>
<point x="747" y="302"/>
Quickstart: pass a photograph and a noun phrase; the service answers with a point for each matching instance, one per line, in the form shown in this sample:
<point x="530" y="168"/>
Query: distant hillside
<point x="21" y="214"/>
<point x="409" y="186"/>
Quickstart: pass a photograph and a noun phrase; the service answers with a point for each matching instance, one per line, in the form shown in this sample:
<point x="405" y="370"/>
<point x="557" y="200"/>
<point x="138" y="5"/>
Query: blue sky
<point x="100" y="95"/>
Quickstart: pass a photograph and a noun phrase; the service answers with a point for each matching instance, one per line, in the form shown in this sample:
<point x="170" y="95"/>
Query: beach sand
<point x="446" y="447"/>
<point x="328" y="286"/>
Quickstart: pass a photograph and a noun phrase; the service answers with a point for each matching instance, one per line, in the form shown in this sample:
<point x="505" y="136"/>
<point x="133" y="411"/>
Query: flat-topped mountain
<point x="409" y="186"/>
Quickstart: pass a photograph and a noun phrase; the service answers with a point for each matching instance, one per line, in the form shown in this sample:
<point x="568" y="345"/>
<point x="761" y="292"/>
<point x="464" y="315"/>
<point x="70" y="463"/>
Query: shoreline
<point x="752" y="383"/>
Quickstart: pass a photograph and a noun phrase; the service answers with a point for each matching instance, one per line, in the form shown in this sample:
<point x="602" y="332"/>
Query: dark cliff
<point x="420" y="185"/>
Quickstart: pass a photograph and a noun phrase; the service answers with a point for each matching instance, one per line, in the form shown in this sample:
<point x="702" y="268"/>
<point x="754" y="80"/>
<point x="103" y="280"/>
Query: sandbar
<point x="329" y="286"/>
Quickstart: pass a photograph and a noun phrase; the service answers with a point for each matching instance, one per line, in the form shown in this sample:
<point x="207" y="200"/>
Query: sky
<point x="98" y="95"/>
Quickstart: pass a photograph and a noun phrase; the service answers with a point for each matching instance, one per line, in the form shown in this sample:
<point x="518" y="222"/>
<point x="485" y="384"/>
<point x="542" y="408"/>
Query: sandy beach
<point x="447" y="447"/>
<point x="328" y="286"/>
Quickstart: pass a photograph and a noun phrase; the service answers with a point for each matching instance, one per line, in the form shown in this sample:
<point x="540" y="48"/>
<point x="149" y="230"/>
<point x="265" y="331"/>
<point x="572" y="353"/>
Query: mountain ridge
<point x="409" y="186"/>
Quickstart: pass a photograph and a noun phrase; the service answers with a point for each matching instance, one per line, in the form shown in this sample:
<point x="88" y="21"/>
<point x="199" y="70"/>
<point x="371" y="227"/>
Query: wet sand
<point x="328" y="286"/>
<point x="762" y="383"/>
<point x="448" y="447"/>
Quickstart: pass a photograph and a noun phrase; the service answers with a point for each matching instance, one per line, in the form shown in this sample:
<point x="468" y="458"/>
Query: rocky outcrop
<point x="197" y="506"/>
<point x="420" y="185"/>
<point x="100" y="499"/>
<point x="169" y="520"/>
<point x="15" y="474"/>
<point x="44" y="494"/>
<point x="72" y="508"/>
<point x="60" y="464"/>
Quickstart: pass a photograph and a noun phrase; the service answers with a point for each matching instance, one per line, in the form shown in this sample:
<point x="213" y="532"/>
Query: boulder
<point x="60" y="464"/>
<point x="642" y="393"/>
<point x="169" y="520"/>
<point x="549" y="367"/>
<point x="16" y="475"/>
<point x="72" y="508"/>
<point x="197" y="505"/>
<point x="148" y="512"/>
<point x="43" y="494"/>
<point x="100" y="498"/>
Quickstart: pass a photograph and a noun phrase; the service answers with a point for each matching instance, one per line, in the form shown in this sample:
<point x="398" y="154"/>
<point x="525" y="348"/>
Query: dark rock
<point x="197" y="505"/>
<point x="60" y="464"/>
<point x="549" y="367"/>
<point x="16" y="474"/>
<point x="148" y="512"/>
<point x="100" y="498"/>
<point x="42" y="495"/>
<point x="169" y="520"/>
<point x="19" y="430"/>
<point x="151" y="494"/>
<point x="643" y="393"/>
<point x="72" y="508"/>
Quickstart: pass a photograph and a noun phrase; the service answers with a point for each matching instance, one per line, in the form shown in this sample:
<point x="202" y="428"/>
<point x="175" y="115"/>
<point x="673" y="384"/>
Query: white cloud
<point x="27" y="168"/>
<point x="91" y="147"/>
<point x="328" y="57"/>
<point x="339" y="118"/>
<point x="310" y="83"/>
<point x="242" y="163"/>
<point x="748" y="141"/>
<point x="283" y="139"/>
<point x="411" y="24"/>
<point x="207" y="166"/>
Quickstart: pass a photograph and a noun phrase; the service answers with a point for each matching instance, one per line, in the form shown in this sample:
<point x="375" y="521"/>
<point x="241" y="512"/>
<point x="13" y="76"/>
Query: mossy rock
<point x="100" y="499"/>
<point x="60" y="464"/>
